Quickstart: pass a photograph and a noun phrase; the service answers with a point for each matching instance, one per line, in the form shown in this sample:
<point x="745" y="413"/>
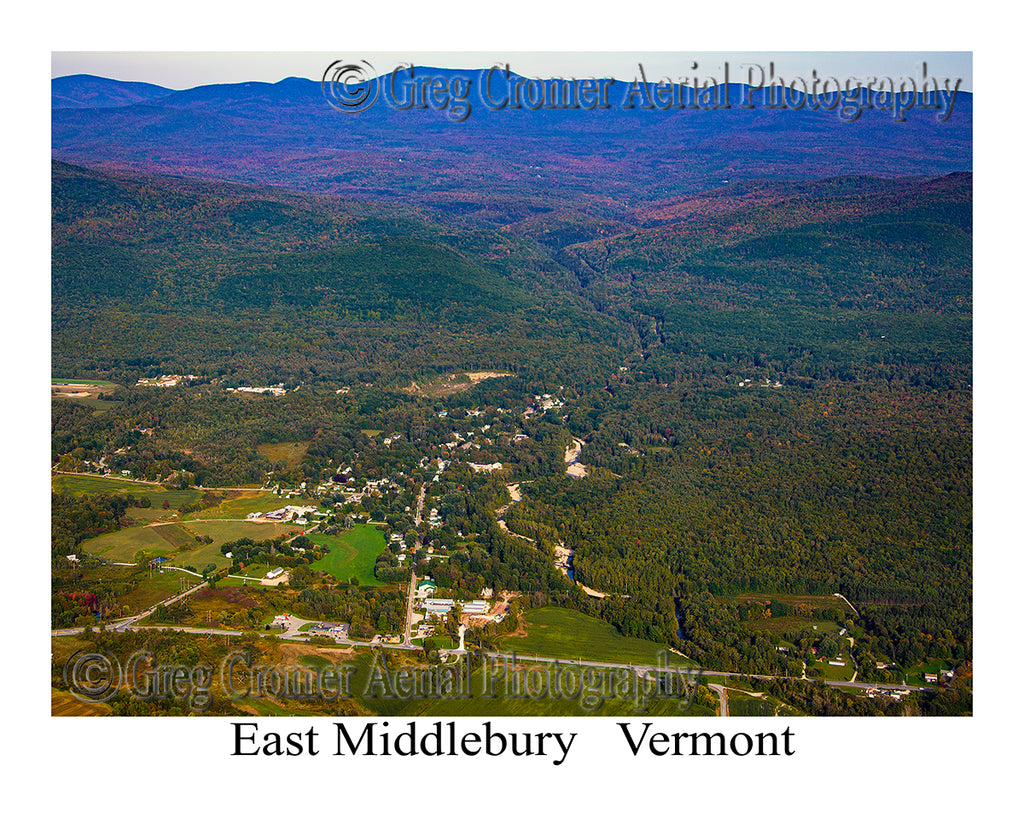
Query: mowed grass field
<point x="555" y="632"/>
<point x="123" y="546"/>
<point x="352" y="554"/>
<point x="177" y="541"/>
<point x="239" y="504"/>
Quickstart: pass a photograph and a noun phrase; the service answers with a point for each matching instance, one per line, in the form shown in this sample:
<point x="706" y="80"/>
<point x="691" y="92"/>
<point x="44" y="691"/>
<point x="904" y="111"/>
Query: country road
<point x="704" y="672"/>
<point x="226" y="632"/>
<point x="125" y="622"/>
<point x="723" y="699"/>
<point x="697" y="673"/>
<point x="407" y="642"/>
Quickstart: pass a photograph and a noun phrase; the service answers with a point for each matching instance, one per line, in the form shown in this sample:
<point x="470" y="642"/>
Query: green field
<point x="97" y="404"/>
<point x="238" y="505"/>
<point x="177" y="542"/>
<point x="96" y="485"/>
<point x="122" y="546"/>
<point x="554" y="632"/>
<point x="82" y="381"/>
<point x="352" y="554"/>
<point x="744" y="705"/>
<point x="915" y="675"/>
<point x="226" y="582"/>
<point x="224" y="531"/>
<point x="491" y="697"/>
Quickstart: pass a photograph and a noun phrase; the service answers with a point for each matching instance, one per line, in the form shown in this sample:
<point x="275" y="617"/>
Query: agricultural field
<point x="124" y="545"/>
<point x="239" y="504"/>
<point x="84" y="391"/>
<point x="97" y="485"/>
<point x="178" y="543"/>
<point x="225" y="530"/>
<point x="64" y="704"/>
<point x="751" y="705"/>
<point x="554" y="632"/>
<point x="352" y="554"/>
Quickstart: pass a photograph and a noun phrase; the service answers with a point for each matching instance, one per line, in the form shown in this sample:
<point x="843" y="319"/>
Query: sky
<point x="183" y="69"/>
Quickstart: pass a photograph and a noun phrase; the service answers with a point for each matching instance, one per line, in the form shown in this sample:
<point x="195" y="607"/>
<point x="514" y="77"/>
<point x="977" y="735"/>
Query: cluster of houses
<point x="276" y="389"/>
<point x="165" y="380"/>
<point x="547" y="401"/>
<point x="747" y="382"/>
<point x="298" y="514"/>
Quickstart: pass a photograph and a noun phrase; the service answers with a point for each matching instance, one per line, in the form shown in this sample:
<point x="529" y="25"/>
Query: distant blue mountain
<point x="87" y="91"/>
<point x="293" y="91"/>
<point x="418" y="143"/>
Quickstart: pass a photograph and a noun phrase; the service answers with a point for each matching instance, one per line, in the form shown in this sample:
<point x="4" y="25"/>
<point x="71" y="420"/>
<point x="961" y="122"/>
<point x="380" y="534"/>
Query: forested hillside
<point x="772" y="381"/>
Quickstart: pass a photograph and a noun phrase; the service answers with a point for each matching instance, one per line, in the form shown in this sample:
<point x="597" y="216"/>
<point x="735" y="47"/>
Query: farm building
<point x="425" y="588"/>
<point x="441" y="605"/>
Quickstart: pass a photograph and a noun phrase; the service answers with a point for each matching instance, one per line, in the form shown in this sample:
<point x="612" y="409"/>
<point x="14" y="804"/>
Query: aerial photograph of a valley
<point x="476" y="389"/>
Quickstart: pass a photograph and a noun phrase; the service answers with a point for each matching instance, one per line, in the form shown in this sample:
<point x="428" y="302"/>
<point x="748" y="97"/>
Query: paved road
<point x="723" y="699"/>
<point x="407" y="642"/>
<point x="705" y="672"/>
<point x="520" y="657"/>
<point x="125" y="622"/>
<point x="303" y="637"/>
